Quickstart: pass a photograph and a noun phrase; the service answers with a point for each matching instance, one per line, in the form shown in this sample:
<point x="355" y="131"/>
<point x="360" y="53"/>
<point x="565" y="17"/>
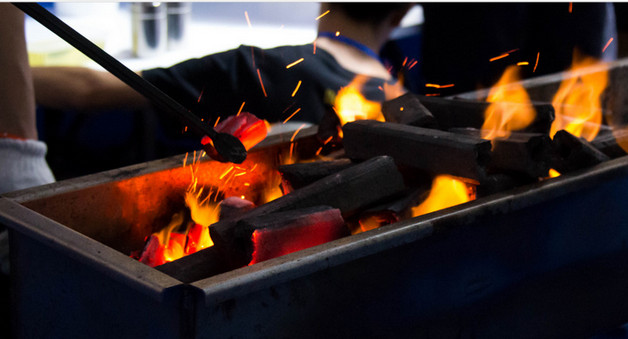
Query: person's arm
<point x="83" y="88"/>
<point x="22" y="156"/>
<point x="17" y="107"/>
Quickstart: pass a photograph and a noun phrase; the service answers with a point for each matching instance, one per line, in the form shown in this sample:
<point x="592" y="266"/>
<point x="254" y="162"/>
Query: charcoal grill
<point x="542" y="260"/>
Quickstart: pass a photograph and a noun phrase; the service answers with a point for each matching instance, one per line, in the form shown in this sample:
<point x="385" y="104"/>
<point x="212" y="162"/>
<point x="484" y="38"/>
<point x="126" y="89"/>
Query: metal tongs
<point x="228" y="147"/>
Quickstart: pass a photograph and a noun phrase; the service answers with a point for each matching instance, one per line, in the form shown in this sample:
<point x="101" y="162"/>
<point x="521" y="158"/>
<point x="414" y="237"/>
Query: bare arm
<point x="17" y="107"/>
<point x="83" y="89"/>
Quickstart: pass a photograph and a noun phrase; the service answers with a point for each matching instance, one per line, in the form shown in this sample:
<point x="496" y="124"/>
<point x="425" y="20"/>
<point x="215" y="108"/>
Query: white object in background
<point x="149" y="25"/>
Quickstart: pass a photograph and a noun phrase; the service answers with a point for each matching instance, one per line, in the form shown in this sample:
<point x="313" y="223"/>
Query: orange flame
<point x="577" y="101"/>
<point x="500" y="117"/>
<point x="446" y="191"/>
<point x="350" y="104"/>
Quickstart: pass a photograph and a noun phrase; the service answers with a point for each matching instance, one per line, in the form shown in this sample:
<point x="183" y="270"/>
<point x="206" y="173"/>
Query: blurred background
<point x="147" y="35"/>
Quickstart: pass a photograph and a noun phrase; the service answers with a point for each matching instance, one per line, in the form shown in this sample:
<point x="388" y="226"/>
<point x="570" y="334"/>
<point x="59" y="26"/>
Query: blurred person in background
<point x="350" y="37"/>
<point x="469" y="45"/>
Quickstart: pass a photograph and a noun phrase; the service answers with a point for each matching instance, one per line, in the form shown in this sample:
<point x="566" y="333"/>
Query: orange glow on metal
<point x="291" y="115"/>
<point x="259" y="75"/>
<point x="295" y="63"/>
<point x="296" y="89"/>
<point x="350" y="105"/>
<point x="500" y="117"/>
<point x="577" y="102"/>
<point x="322" y="15"/>
<point x="446" y="191"/>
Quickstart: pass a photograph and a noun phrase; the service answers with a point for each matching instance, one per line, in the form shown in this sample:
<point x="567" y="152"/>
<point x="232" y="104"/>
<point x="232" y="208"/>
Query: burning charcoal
<point x="400" y="207"/>
<point x="572" y="153"/>
<point x="425" y="149"/>
<point x="276" y="234"/>
<point x="350" y="190"/>
<point x="500" y="182"/>
<point x="328" y="130"/>
<point x="200" y="265"/>
<point x="234" y="206"/>
<point x="607" y="142"/>
<point x="407" y="110"/>
<point x="524" y="153"/>
<point x="453" y="113"/>
<point x="245" y="126"/>
<point x="151" y="254"/>
<point x="303" y="174"/>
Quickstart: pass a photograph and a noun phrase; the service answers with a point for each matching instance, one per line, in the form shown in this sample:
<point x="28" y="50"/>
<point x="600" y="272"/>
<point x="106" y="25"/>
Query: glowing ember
<point x="577" y="101"/>
<point x="295" y="63"/>
<point x="296" y="89"/>
<point x="322" y="15"/>
<point x="350" y="105"/>
<point x="500" y="117"/>
<point x="446" y="191"/>
<point x="372" y="222"/>
<point x="245" y="126"/>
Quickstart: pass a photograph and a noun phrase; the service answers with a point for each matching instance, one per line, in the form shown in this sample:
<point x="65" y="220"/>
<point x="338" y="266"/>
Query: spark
<point x="226" y="172"/>
<point x="432" y="95"/>
<point x="247" y="184"/>
<point x="570" y="7"/>
<point x="185" y="160"/>
<point x="607" y="44"/>
<point x="403" y="64"/>
<point x="201" y="95"/>
<point x="216" y="123"/>
<point x="291" y="149"/>
<point x="314" y="47"/>
<point x="296" y="132"/>
<point x="253" y="56"/>
<point x="185" y="129"/>
<point x="318" y="152"/>
<point x="241" y="107"/>
<point x="499" y="57"/>
<point x="413" y="64"/>
<point x="291" y="115"/>
<point x="322" y="15"/>
<point x="261" y="83"/>
<point x="523" y="63"/>
<point x="248" y="21"/>
<point x="328" y="140"/>
<point x="337" y="33"/>
<point x="439" y="86"/>
<point x="296" y="89"/>
<point x="537" y="61"/>
<point x="294" y="63"/>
